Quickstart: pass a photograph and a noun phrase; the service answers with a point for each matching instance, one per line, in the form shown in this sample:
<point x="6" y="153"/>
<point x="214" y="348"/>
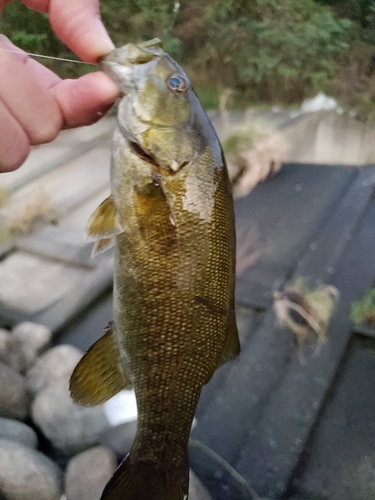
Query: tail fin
<point x="144" y="481"/>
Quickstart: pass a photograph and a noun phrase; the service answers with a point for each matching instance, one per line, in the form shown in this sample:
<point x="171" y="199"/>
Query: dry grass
<point x="249" y="248"/>
<point x="306" y="311"/>
<point x="363" y="311"/>
<point x="253" y="154"/>
<point x="3" y="195"/>
<point x="21" y="215"/>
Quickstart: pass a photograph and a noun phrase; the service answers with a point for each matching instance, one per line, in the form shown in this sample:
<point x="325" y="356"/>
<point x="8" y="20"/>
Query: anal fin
<point x="99" y="374"/>
<point x="102" y="245"/>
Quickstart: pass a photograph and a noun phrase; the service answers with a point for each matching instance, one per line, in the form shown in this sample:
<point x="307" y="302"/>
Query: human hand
<point x="35" y="104"/>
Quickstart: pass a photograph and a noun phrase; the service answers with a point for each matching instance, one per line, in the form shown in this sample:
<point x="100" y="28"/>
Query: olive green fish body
<point x="172" y="218"/>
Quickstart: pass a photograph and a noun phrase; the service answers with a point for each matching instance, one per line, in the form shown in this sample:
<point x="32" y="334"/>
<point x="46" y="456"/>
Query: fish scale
<point x="170" y="216"/>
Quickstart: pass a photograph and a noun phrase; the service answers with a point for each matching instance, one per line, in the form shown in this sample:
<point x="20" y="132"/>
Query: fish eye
<point x="178" y="83"/>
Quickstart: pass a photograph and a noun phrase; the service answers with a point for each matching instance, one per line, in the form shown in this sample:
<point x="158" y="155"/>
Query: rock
<point x="26" y="474"/>
<point x="88" y="473"/>
<point x="16" y="358"/>
<point x="11" y="351"/>
<point x="119" y="439"/>
<point x="4" y="339"/>
<point x="36" y="336"/>
<point x="13" y="430"/>
<point x="20" y="348"/>
<point x="27" y="342"/>
<point x="69" y="427"/>
<point x="196" y="489"/>
<point x="14" y="401"/>
<point x="55" y="364"/>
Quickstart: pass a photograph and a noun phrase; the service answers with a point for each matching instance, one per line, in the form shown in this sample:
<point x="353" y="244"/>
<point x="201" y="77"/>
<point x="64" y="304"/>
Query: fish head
<point x="159" y="110"/>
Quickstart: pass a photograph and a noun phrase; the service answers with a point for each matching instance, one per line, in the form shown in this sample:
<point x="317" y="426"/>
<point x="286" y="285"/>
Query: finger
<point x="3" y="3"/>
<point x="38" y="5"/>
<point x="28" y="100"/>
<point x="6" y="44"/>
<point x="83" y="101"/>
<point x="78" y="25"/>
<point x="14" y="142"/>
<point x="45" y="76"/>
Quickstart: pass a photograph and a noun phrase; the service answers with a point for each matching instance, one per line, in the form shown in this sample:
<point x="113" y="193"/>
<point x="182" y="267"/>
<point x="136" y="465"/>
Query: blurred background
<point x="290" y="89"/>
<point x="266" y="52"/>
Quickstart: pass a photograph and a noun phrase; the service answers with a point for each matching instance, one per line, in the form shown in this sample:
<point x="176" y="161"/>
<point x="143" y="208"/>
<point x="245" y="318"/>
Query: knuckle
<point x="46" y="130"/>
<point x="14" y="142"/>
<point x="14" y="159"/>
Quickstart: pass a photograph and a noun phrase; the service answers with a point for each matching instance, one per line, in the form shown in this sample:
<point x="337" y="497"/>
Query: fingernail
<point x="104" y="37"/>
<point x="108" y="88"/>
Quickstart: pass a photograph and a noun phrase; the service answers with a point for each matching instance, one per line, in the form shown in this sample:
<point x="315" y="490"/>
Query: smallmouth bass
<point x="170" y="216"/>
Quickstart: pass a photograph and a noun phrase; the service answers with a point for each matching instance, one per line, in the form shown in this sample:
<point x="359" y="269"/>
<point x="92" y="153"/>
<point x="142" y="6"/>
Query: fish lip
<point x="122" y="75"/>
<point x="117" y="56"/>
<point x="127" y="64"/>
<point x="132" y="54"/>
<point x="101" y="58"/>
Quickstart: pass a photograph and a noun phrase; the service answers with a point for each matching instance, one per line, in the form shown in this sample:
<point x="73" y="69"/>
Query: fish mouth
<point x="141" y="153"/>
<point x="134" y="53"/>
<point x="125" y="65"/>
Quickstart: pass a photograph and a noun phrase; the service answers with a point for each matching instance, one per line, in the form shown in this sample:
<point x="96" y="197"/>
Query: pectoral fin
<point x="102" y="245"/>
<point x="104" y="222"/>
<point x="99" y="375"/>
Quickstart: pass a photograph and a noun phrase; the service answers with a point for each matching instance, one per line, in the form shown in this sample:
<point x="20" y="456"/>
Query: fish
<point x="170" y="217"/>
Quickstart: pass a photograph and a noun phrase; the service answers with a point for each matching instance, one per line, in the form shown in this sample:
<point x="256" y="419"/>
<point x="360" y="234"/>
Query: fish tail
<point x="145" y="481"/>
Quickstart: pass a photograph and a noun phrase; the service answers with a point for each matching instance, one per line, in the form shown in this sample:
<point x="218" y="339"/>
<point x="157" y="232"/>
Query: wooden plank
<point x="365" y="330"/>
<point x="79" y="216"/>
<point x="324" y="254"/>
<point x="63" y="188"/>
<point x="30" y="284"/>
<point x="51" y="277"/>
<point x="96" y="282"/>
<point x="270" y="401"/>
<point x="278" y="221"/>
<point x="48" y="291"/>
<point x="87" y="327"/>
<point x="68" y="145"/>
<point x="277" y="440"/>
<point x="338" y="462"/>
<point x="64" y="244"/>
<point x="226" y="423"/>
<point x="248" y="321"/>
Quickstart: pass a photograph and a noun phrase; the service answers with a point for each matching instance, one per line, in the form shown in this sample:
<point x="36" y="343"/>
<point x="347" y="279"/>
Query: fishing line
<point x="48" y="57"/>
<point x="244" y="485"/>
